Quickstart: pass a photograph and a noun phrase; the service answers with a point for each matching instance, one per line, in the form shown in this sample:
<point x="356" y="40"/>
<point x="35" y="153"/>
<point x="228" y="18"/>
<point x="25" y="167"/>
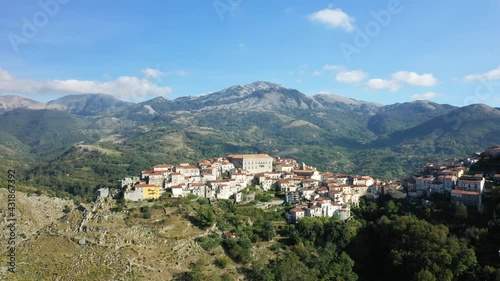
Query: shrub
<point x="66" y="209"/>
<point x="222" y="262"/>
<point x="209" y="242"/>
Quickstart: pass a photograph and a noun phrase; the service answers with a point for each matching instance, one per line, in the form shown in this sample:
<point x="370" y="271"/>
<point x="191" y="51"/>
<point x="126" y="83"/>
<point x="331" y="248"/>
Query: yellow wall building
<point x="148" y="191"/>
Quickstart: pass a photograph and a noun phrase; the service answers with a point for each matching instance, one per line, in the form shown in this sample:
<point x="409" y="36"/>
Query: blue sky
<point x="385" y="51"/>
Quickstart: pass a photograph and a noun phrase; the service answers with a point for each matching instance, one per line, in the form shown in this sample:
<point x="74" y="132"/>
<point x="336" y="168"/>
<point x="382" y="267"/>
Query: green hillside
<point x="330" y="132"/>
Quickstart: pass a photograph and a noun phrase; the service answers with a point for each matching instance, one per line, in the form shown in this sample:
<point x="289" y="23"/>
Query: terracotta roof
<point x="303" y="171"/>
<point x="163" y="166"/>
<point x="158" y="173"/>
<point x="475" y="181"/>
<point x="464" y="192"/>
<point x="248" y="156"/>
<point x="186" y="167"/>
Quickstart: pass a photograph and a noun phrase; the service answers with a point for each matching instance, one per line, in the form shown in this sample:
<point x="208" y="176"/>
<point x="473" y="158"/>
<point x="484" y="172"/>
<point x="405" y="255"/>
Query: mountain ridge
<point x="329" y="131"/>
<point x="74" y="103"/>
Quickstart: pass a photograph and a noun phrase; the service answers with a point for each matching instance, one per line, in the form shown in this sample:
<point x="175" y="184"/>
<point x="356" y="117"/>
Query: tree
<point x="205" y="216"/>
<point x="239" y="251"/>
<point x="391" y="207"/>
<point x="489" y="273"/>
<point x="66" y="209"/>
<point x="289" y="267"/>
<point x="262" y="272"/>
<point x="425" y="275"/>
<point x="268" y="232"/>
<point x="403" y="247"/>
<point x="222" y="262"/>
<point x="147" y="215"/>
<point x="460" y="212"/>
<point x="196" y="272"/>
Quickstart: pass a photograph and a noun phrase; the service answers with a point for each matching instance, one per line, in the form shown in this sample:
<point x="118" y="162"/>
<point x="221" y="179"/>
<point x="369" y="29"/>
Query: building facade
<point x="253" y="163"/>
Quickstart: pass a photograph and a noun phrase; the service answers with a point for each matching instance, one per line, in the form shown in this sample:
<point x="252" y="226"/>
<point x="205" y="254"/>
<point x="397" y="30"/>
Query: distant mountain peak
<point x="89" y="104"/>
<point x="10" y="102"/>
<point x="263" y="85"/>
<point x="253" y="87"/>
<point x="160" y="99"/>
<point x="75" y="97"/>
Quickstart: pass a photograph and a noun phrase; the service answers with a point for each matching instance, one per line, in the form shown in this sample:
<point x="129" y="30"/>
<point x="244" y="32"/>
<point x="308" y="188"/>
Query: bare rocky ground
<point x="92" y="242"/>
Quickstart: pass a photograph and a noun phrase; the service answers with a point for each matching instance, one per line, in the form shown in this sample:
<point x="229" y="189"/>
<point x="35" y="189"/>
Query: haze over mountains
<point x="332" y="132"/>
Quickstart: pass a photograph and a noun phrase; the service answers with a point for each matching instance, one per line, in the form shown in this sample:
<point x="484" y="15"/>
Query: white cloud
<point x="343" y="75"/>
<point x="354" y="76"/>
<point x="4" y="75"/>
<point x="426" y="96"/>
<point x="380" y="84"/>
<point x="333" y="18"/>
<point x="152" y="73"/>
<point x="402" y="77"/>
<point x="124" y="86"/>
<point x="414" y="79"/>
<point x="491" y="75"/>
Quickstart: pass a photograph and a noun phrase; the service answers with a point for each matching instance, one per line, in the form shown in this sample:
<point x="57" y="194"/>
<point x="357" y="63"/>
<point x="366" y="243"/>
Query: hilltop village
<point x="454" y="177"/>
<point x="311" y="193"/>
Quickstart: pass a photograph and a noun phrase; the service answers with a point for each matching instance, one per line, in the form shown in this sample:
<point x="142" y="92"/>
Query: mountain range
<point x="331" y="132"/>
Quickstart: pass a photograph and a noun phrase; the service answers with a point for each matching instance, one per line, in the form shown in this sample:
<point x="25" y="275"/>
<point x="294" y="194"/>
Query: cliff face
<point x="94" y="241"/>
